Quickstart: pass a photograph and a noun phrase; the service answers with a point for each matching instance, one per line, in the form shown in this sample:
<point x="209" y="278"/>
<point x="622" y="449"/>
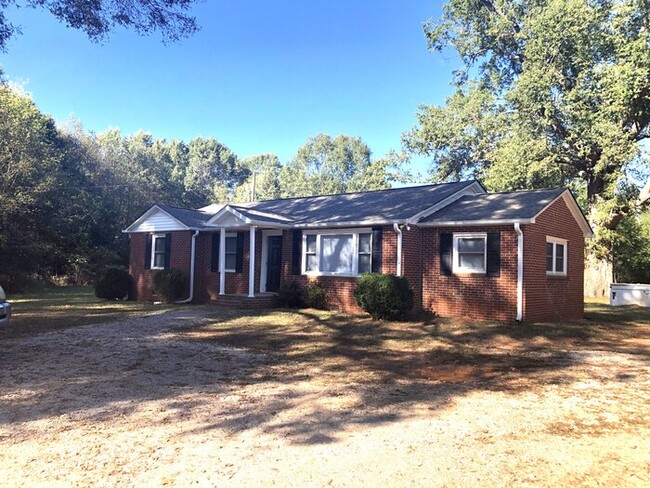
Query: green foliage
<point x="632" y="249"/>
<point x="553" y="92"/>
<point x="384" y="296"/>
<point x="315" y="296"/>
<point x="170" y="284"/>
<point x="112" y="283"/>
<point x="326" y="165"/>
<point x="97" y="19"/>
<point x="291" y="294"/>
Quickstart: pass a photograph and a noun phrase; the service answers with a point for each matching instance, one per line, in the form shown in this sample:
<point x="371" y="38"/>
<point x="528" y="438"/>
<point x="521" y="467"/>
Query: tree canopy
<point x="67" y="193"/>
<point x="551" y="92"/>
<point x="98" y="18"/>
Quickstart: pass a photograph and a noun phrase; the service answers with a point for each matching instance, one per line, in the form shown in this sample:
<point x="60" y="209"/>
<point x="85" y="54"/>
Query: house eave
<point x="475" y="223"/>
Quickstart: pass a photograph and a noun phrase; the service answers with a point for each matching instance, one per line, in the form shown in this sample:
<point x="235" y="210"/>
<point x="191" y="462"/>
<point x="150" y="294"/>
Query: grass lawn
<point x="60" y="307"/>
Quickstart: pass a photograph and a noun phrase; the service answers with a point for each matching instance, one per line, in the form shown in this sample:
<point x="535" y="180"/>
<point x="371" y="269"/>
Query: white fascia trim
<point x="145" y="215"/>
<point x="228" y="210"/>
<point x="575" y="211"/>
<point x="473" y="189"/>
<point x="470" y="223"/>
<point x="245" y="220"/>
<point x="359" y="223"/>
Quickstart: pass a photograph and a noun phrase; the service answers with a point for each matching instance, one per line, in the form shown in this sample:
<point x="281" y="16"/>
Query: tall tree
<point x="552" y="92"/>
<point x="213" y="172"/>
<point x="264" y="180"/>
<point x="326" y="165"/>
<point x="98" y="18"/>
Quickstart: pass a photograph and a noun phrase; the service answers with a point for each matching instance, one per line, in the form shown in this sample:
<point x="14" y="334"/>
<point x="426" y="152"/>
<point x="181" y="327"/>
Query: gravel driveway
<point x="145" y="403"/>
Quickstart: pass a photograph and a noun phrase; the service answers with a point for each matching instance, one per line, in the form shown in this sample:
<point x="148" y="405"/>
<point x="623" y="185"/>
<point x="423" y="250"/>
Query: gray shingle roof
<point x="517" y="205"/>
<point x="189" y="217"/>
<point x="397" y="204"/>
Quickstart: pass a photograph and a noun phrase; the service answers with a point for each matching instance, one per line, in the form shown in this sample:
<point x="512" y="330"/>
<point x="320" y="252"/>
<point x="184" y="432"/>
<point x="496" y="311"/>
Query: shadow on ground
<point x="304" y="375"/>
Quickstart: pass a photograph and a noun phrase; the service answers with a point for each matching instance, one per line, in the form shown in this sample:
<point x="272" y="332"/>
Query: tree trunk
<point x="598" y="276"/>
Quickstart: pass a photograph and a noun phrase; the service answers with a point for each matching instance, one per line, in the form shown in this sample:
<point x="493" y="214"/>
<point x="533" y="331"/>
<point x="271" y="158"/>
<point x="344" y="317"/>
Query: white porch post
<point x="222" y="261"/>
<point x="251" y="264"/>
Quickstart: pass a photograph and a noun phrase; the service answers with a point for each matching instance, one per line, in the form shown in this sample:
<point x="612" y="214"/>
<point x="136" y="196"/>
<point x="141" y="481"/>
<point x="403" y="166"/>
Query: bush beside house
<point x="112" y="283"/>
<point x="384" y="296"/>
<point x="170" y="284"/>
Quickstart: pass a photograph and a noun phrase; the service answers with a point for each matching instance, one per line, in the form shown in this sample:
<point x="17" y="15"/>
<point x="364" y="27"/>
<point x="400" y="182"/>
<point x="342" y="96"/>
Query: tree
<point x="552" y="92"/>
<point x="264" y="172"/>
<point x="213" y="172"/>
<point x="98" y="18"/>
<point x="325" y="165"/>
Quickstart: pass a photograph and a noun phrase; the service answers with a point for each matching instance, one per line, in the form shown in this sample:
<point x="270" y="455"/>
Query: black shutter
<point x="147" y="251"/>
<point x="216" y="240"/>
<point x="296" y="252"/>
<point x="446" y="253"/>
<point x="377" y="234"/>
<point x="493" y="253"/>
<point x="168" y="250"/>
<point x="239" y="263"/>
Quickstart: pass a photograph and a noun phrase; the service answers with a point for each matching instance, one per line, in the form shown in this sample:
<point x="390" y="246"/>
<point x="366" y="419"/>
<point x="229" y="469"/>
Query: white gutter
<point x="192" y="259"/>
<point x="520" y="272"/>
<point x="399" y="249"/>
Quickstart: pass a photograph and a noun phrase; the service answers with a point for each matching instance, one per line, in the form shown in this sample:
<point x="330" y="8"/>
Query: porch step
<point x="244" y="302"/>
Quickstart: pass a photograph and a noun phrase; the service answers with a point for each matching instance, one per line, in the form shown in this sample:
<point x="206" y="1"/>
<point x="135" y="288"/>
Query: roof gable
<point x="156" y="219"/>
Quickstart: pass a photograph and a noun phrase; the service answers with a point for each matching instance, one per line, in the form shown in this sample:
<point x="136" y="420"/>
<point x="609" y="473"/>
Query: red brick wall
<point x="340" y="290"/>
<point x="143" y="278"/>
<point x="550" y="298"/>
<point x="470" y="295"/>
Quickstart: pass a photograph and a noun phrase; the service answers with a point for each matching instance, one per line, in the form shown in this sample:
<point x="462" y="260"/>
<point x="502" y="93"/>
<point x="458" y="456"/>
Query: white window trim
<point x="355" y="257"/>
<point x="555" y="241"/>
<point x="455" y="255"/>
<point x="225" y="253"/>
<point x="154" y="237"/>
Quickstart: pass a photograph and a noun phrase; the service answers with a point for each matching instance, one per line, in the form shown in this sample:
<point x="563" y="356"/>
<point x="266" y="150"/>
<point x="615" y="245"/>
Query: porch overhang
<point x="232" y="218"/>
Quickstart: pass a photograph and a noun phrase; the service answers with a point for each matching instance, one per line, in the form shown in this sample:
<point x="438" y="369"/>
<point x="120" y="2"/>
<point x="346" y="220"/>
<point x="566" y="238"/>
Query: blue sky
<point x="258" y="76"/>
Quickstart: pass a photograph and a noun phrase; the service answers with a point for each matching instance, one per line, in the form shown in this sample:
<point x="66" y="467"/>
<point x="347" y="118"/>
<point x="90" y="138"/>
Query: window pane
<point x="311" y="244"/>
<point x="472" y="262"/>
<point x="312" y="262"/>
<point x="231" y="261"/>
<point x="559" y="258"/>
<point x="364" y="243"/>
<point x="364" y="263"/>
<point x="471" y="244"/>
<point x="160" y="244"/>
<point x="231" y="244"/>
<point x="549" y="256"/>
<point x="159" y="260"/>
<point x="336" y="253"/>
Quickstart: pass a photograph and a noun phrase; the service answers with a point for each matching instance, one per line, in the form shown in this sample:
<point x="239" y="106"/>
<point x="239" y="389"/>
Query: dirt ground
<point x="209" y="398"/>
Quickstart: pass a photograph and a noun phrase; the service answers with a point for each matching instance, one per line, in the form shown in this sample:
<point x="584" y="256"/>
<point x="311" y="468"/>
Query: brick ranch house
<point x="497" y="256"/>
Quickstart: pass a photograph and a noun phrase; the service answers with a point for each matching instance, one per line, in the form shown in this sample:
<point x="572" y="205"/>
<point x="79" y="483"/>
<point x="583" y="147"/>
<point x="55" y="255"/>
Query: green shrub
<point x="112" y="283"/>
<point x="315" y="296"/>
<point x="384" y="296"/>
<point x="291" y="294"/>
<point x="170" y="285"/>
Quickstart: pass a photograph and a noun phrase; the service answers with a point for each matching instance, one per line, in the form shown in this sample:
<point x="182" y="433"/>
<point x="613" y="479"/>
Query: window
<point x="556" y="256"/>
<point x="158" y="245"/>
<point x="469" y="253"/>
<point x="231" y="253"/>
<point x="341" y="254"/>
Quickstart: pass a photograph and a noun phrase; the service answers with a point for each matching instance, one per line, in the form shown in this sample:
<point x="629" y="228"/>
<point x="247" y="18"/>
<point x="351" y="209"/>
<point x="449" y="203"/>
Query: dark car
<point x="5" y="308"/>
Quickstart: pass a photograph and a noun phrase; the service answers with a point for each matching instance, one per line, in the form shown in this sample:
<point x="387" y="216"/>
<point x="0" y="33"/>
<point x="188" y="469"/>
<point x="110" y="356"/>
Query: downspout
<point x="192" y="259"/>
<point x="520" y="273"/>
<point x="399" y="249"/>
